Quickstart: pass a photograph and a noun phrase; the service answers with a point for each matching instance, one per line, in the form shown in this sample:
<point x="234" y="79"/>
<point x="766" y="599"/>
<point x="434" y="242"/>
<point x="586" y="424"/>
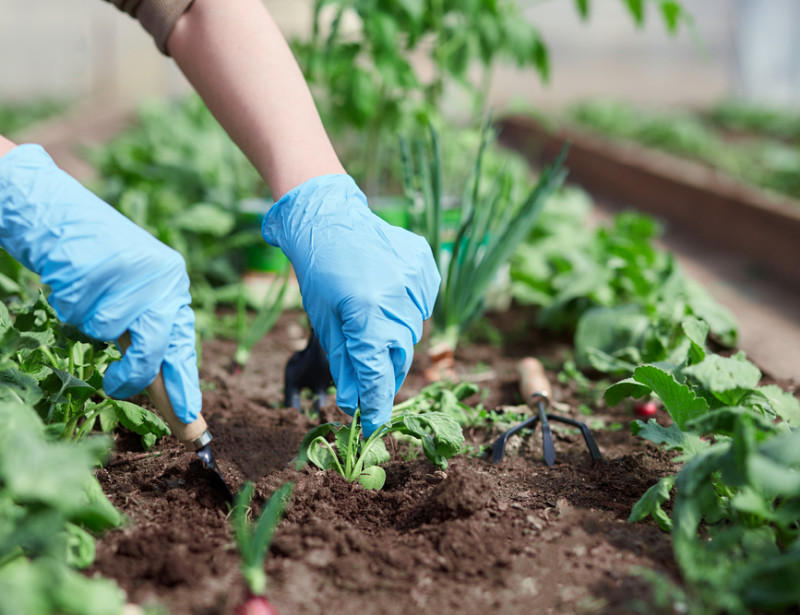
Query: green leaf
<point x="726" y="377"/>
<point x="785" y="405"/>
<point x="372" y="477"/>
<point x="44" y="586"/>
<point x="320" y="454"/>
<point x="441" y="436"/>
<point x="205" y="218"/>
<point x="583" y="8"/>
<point x="320" y="431"/>
<point x="376" y="455"/>
<point x="724" y="421"/>
<point x="625" y="388"/>
<point x="680" y="401"/>
<point x="138" y="419"/>
<point x="772" y="583"/>
<point x="79" y="546"/>
<point x="16" y="385"/>
<point x="609" y="330"/>
<point x="697" y="332"/>
<point x="253" y="539"/>
<point x="650" y="504"/>
<point x="671" y="11"/>
<point x="671" y="437"/>
<point x="636" y="9"/>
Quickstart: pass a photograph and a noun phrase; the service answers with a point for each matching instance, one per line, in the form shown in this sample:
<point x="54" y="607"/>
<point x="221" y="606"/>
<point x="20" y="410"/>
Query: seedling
<point x="253" y="540"/>
<point x="357" y="460"/>
<point x="250" y="332"/>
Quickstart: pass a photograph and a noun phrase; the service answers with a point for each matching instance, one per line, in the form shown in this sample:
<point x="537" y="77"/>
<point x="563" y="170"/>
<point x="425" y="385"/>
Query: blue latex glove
<point x="107" y="275"/>
<point x="366" y="286"/>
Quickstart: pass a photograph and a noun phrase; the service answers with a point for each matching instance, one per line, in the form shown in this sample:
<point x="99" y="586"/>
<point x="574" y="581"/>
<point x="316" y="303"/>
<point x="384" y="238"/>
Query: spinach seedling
<point x="358" y="460"/>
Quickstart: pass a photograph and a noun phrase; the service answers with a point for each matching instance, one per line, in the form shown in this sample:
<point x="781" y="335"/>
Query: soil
<point x="514" y="537"/>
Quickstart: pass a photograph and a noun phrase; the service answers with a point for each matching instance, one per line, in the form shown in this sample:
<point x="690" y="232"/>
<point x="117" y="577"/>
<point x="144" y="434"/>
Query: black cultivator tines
<point x="307" y="369"/>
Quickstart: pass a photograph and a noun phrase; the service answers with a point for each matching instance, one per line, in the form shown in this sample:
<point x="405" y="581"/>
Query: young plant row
<point x="735" y="518"/>
<point x="764" y="151"/>
<point x="623" y="298"/>
<point x="52" y="409"/>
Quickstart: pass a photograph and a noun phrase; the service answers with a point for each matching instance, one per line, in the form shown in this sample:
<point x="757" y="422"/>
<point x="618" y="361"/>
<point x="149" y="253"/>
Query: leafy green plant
<point x="735" y="520"/>
<point x="623" y="298"/>
<point x="358" y="460"/>
<point x="253" y="539"/>
<point x="178" y="175"/>
<point x="492" y="221"/>
<point x="50" y="501"/>
<point x="358" y="59"/>
<point x="17" y="116"/>
<point x="59" y="371"/>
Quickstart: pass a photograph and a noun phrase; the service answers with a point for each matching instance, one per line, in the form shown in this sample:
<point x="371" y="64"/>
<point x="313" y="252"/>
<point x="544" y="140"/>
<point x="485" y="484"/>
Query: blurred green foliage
<point x="756" y="145"/>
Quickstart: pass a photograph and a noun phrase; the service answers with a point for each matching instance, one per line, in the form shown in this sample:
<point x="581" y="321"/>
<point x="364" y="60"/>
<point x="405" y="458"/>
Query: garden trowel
<point x="195" y="436"/>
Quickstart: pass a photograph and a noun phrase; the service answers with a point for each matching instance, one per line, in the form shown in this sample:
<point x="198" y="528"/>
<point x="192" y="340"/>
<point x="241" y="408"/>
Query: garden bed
<point x="476" y="538"/>
<point x="692" y="196"/>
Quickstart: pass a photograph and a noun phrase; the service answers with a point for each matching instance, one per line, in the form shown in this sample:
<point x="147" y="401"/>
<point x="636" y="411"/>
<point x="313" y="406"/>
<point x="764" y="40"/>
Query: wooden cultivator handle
<point x="194" y="435"/>
<point x="533" y="383"/>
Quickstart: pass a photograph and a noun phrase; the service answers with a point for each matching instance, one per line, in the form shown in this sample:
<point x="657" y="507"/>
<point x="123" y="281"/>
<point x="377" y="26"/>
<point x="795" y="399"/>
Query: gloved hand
<point x="107" y="275"/>
<point x="366" y="286"/>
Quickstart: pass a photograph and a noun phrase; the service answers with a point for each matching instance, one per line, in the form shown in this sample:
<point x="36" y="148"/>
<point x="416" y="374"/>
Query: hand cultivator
<point x="536" y="391"/>
<point x="195" y="436"/>
<point x="307" y="369"/>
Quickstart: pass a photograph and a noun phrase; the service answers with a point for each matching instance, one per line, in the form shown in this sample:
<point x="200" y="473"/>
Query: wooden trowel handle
<point x="192" y="434"/>
<point x="533" y="381"/>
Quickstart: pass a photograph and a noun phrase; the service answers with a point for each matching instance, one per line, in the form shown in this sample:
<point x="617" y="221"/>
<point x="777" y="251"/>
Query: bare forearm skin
<point x="6" y="145"/>
<point x="236" y="58"/>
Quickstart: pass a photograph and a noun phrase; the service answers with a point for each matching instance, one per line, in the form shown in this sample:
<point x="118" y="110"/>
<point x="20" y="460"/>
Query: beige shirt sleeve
<point x="158" y="17"/>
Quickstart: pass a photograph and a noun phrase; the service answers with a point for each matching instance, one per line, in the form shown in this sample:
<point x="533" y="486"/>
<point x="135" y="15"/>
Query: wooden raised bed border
<point x="716" y="208"/>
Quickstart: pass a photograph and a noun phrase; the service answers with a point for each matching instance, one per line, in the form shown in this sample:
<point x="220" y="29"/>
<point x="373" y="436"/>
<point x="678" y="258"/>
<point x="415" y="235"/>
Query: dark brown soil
<point x="477" y="538"/>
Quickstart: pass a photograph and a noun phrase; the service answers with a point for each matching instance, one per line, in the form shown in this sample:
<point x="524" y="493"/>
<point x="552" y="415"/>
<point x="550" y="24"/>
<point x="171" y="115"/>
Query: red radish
<point x="255" y="605"/>
<point x="646" y="408"/>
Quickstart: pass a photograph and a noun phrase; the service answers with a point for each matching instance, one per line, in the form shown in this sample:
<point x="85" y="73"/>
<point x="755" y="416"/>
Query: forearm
<point x="6" y="145"/>
<point x="241" y="65"/>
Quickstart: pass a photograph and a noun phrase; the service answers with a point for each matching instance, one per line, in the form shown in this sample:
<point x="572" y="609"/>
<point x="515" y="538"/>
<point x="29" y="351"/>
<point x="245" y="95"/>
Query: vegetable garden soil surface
<point x="477" y="538"/>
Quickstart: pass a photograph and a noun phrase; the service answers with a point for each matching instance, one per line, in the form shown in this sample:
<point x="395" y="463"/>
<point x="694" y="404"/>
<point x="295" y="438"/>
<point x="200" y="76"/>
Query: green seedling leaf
<point x="611" y="330"/>
<point x="139" y="420"/>
<point x="785" y="405"/>
<point x="79" y="546"/>
<point x="724" y="421"/>
<point x="608" y="364"/>
<point x="697" y="332"/>
<point x="321" y="454"/>
<point x="649" y="505"/>
<point x="16" y="385"/>
<point x="254" y="539"/>
<point x="726" y="377"/>
<point x="372" y="477"/>
<point x="441" y="436"/>
<point x="771" y="584"/>
<point x="320" y="431"/>
<point x="672" y="438"/>
<point x="680" y="401"/>
<point x="672" y="12"/>
<point x="376" y="455"/>
<point x="623" y="389"/>
<point x="44" y="586"/>
<point x="204" y="218"/>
